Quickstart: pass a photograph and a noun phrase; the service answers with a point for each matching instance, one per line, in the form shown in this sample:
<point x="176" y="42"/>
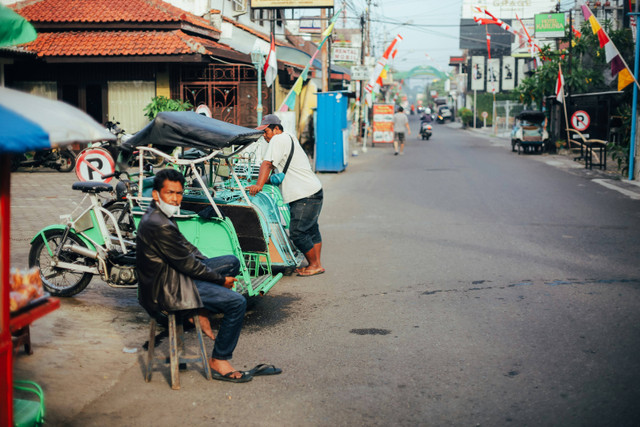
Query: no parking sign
<point x="580" y="120"/>
<point x="94" y="163"/>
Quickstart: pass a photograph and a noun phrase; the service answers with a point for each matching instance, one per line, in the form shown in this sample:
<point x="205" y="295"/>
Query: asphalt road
<point x="465" y="285"/>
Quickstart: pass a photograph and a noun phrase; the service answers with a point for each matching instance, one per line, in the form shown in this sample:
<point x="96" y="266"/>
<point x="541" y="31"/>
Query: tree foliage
<point x="584" y="68"/>
<point x="159" y="104"/>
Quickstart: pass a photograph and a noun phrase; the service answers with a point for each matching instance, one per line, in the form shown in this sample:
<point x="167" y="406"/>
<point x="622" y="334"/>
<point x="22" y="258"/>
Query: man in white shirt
<point x="400" y="122"/>
<point x="301" y="189"/>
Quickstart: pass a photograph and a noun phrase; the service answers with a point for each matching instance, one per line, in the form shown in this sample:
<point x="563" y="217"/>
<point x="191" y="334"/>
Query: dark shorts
<point x="399" y="136"/>
<point x="303" y="228"/>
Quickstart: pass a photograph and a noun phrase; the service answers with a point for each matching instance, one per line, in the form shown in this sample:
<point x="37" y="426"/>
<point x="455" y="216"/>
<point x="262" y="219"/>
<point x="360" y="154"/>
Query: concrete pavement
<point x="87" y="355"/>
<point x="610" y="178"/>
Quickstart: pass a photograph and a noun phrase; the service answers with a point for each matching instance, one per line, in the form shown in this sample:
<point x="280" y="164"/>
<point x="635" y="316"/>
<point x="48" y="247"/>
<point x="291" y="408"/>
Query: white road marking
<point x="609" y="184"/>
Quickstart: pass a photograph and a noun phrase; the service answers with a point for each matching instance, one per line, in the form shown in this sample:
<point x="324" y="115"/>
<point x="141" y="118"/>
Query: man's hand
<point x="254" y="189"/>
<point x="229" y="282"/>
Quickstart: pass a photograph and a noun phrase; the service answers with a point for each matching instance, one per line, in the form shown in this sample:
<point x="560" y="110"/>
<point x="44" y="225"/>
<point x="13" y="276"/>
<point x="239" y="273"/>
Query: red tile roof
<point x="120" y="43"/>
<point x="106" y="11"/>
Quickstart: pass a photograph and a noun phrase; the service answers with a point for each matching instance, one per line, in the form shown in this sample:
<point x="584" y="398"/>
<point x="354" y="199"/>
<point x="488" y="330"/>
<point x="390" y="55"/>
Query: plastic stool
<point x="176" y="347"/>
<point x="28" y="412"/>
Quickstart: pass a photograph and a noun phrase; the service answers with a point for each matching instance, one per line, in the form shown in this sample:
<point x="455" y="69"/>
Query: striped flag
<point x="271" y="65"/>
<point x="618" y="65"/>
<point x="560" y="86"/>
<point x="373" y="81"/>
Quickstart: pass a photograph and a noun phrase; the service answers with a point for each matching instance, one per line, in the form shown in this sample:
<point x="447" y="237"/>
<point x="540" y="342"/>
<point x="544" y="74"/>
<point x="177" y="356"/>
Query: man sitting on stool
<point x="174" y="275"/>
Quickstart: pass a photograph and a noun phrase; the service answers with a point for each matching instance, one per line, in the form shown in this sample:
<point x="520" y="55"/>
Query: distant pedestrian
<point x="400" y="121"/>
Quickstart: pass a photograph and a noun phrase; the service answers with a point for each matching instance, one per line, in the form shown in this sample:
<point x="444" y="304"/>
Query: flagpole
<point x="634" y="109"/>
<point x="564" y="106"/>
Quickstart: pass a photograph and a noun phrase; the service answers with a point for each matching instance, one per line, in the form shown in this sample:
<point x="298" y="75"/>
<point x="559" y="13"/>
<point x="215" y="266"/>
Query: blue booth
<point x="331" y="132"/>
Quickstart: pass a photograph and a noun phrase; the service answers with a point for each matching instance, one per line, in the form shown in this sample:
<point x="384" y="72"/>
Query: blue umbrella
<point x="29" y="122"/>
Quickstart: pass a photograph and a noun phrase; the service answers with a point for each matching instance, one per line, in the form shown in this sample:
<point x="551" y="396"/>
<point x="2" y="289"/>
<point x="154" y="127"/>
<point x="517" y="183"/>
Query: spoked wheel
<point x="58" y="281"/>
<point x="122" y="212"/>
<point x="67" y="161"/>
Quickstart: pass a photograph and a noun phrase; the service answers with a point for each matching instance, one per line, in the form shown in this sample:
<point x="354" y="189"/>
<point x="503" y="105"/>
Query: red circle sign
<point x="580" y="120"/>
<point x="93" y="163"/>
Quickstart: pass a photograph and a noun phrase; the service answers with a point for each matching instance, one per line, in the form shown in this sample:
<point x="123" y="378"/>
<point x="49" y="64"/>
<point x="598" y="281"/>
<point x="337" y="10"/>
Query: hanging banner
<point x="493" y="75"/>
<point x="383" y="123"/>
<point x="477" y="73"/>
<point x="508" y="72"/>
<point x="520" y="71"/>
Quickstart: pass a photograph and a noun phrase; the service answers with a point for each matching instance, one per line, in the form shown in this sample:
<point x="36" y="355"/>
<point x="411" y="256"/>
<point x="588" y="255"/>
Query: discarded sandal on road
<point x="307" y="272"/>
<point x="263" y="369"/>
<point x="245" y="377"/>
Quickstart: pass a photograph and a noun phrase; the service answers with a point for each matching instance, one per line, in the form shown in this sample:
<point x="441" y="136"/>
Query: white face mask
<point x="169" y="210"/>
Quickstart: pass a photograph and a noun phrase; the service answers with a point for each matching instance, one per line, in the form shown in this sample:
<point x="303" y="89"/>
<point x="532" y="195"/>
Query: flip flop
<point x="227" y="377"/>
<point x="263" y="369"/>
<point x="303" y="273"/>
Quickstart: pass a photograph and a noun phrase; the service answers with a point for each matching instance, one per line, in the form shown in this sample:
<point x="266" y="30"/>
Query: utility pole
<point x="325" y="76"/>
<point x="273" y="85"/>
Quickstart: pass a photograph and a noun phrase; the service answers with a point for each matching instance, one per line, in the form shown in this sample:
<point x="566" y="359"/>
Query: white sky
<point x="430" y="31"/>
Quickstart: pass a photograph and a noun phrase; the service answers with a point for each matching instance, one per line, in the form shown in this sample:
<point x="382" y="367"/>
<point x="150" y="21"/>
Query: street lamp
<point x="258" y="61"/>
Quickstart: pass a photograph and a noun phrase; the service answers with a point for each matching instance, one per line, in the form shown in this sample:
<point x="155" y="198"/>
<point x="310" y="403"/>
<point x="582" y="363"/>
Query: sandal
<point x="245" y="377"/>
<point x="307" y="273"/>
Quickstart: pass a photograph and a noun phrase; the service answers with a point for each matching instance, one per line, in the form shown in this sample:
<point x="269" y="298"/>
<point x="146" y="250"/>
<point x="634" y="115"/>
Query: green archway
<point x="425" y="71"/>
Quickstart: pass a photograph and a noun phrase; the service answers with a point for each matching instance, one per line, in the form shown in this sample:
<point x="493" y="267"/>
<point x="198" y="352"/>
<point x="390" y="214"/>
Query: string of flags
<point x="289" y="102"/>
<point x="618" y="65"/>
<point x="494" y="20"/>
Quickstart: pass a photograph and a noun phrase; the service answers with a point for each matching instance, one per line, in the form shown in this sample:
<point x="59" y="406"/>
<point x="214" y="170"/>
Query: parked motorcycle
<point x="425" y="130"/>
<point x="60" y="159"/>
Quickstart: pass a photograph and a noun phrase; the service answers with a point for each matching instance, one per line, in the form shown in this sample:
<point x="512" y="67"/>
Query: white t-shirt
<point x="300" y="181"/>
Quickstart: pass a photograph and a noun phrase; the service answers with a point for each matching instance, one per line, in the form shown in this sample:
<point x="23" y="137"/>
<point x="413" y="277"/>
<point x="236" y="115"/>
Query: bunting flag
<point x="618" y="65"/>
<point x="534" y="48"/>
<point x="494" y="20"/>
<point x="377" y="71"/>
<point x="289" y="102"/>
<point x="271" y="64"/>
<point x="489" y="44"/>
<point x="560" y="86"/>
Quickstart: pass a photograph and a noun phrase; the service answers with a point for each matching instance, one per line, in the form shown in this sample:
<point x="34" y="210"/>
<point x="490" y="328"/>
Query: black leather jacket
<point x="167" y="264"/>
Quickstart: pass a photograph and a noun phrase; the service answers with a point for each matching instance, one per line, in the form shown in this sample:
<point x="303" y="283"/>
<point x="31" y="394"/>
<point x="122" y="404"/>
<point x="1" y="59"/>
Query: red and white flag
<point x="380" y="65"/>
<point x="271" y="64"/>
<point x="560" y="87"/>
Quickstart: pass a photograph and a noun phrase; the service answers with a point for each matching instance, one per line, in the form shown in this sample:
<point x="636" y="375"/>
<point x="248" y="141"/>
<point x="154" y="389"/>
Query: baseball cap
<point x="269" y="119"/>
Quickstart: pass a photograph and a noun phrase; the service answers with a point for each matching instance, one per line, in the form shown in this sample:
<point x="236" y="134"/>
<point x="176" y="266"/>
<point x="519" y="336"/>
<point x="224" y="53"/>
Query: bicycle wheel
<point x="59" y="281"/>
<point x="122" y="212"/>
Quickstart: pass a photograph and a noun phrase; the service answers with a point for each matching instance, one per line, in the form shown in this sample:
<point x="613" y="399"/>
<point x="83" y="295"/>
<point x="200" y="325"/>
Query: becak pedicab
<point x="215" y="226"/>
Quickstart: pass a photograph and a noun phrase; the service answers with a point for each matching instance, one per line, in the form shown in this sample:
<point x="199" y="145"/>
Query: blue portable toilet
<point x="331" y="131"/>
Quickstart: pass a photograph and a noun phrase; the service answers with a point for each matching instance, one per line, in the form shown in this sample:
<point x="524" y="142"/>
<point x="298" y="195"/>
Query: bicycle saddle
<point x="92" y="187"/>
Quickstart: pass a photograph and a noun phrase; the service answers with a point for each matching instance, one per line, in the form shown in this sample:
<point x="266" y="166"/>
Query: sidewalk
<point x="610" y="179"/>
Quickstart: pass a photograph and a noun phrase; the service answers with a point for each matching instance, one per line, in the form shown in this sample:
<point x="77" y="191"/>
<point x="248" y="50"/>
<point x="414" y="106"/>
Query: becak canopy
<point x="189" y="129"/>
